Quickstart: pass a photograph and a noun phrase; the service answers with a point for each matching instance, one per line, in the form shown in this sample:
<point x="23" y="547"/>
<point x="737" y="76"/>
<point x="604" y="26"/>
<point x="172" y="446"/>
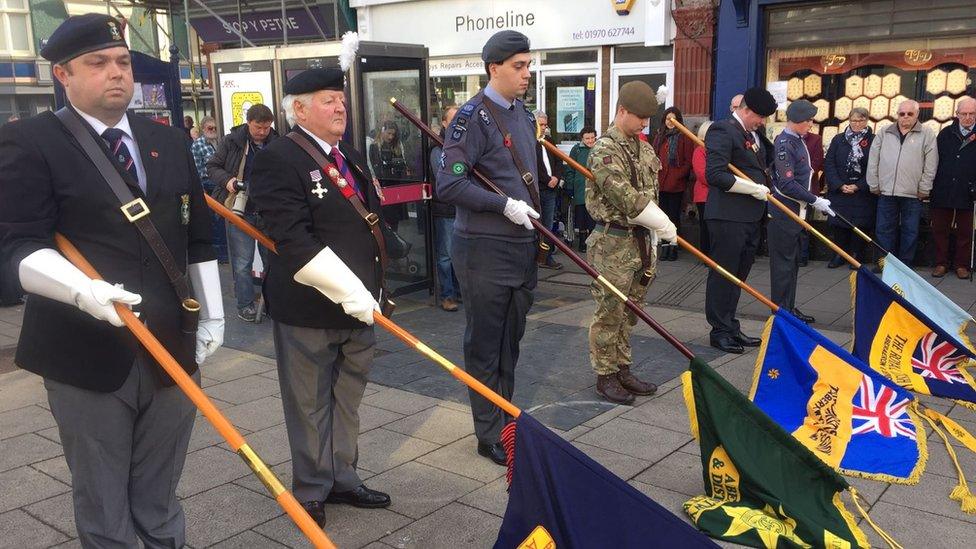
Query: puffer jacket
<point x="905" y="169"/>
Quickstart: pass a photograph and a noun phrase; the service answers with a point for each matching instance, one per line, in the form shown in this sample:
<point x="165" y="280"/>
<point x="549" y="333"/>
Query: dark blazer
<point x="859" y="208"/>
<point x="226" y="160"/>
<point x="957" y="169"/>
<point x="302" y="224"/>
<point x="47" y="184"/>
<point x="725" y="143"/>
<point x="554" y="162"/>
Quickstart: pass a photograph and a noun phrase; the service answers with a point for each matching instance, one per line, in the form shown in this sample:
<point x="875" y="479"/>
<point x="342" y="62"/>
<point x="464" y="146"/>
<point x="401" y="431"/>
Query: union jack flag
<point x="878" y="411"/>
<point x="939" y="360"/>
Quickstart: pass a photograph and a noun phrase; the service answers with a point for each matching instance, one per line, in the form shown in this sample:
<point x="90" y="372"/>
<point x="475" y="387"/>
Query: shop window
<point x="566" y="57"/>
<point x="15" y="32"/>
<point x="642" y="54"/>
<point x="457" y="90"/>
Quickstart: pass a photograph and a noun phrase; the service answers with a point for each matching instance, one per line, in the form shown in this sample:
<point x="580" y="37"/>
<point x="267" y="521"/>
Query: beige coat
<point x="903" y="169"/>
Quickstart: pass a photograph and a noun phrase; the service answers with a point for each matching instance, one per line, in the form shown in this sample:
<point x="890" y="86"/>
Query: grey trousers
<point x="126" y="451"/>
<point x="322" y="374"/>
<point x="497" y="279"/>
<point x="784" y="254"/>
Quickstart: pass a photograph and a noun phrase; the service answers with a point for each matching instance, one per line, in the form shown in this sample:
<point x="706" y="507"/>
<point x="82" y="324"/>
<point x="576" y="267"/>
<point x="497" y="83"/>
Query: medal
<point x="319" y="191"/>
<point x="185" y="209"/>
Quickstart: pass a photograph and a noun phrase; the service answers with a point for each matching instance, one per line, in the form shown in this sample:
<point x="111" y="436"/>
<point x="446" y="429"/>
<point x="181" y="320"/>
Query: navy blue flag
<point x="561" y="498"/>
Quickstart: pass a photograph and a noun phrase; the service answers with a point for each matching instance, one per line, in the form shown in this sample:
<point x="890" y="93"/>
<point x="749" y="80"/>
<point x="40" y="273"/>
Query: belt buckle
<point x="133" y="217"/>
<point x="372" y="219"/>
<point x="528" y="178"/>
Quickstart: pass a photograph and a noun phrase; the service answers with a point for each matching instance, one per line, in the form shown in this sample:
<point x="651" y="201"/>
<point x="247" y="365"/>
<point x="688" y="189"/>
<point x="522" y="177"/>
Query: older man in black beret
<point x="494" y="246"/>
<point x="318" y="202"/>
<point x="123" y="425"/>
<point x="735" y="209"/>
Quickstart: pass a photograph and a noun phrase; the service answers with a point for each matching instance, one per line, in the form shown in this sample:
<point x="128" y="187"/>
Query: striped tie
<point x="121" y="153"/>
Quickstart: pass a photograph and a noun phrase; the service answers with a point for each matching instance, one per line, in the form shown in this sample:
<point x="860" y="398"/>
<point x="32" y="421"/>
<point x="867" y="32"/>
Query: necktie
<point x="121" y="153"/>
<point x="346" y="174"/>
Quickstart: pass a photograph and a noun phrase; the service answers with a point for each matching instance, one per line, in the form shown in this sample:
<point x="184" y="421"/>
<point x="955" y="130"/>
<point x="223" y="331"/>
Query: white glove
<point x="47" y="273"/>
<point x="655" y="219"/>
<point x="822" y="205"/>
<point x="519" y="212"/>
<point x="744" y="186"/>
<point x="206" y="287"/>
<point x="329" y="275"/>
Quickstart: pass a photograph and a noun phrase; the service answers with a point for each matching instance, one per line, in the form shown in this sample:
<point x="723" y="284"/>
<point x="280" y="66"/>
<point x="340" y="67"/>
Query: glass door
<point x="653" y="74"/>
<point x="570" y="100"/>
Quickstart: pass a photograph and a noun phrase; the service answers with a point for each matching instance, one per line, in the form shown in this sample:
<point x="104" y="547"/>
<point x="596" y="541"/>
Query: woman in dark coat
<point x="674" y="150"/>
<point x="845" y="169"/>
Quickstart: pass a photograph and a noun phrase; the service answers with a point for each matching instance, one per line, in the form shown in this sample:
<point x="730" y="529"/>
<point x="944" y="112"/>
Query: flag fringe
<point x="855" y="496"/>
<point x="761" y="355"/>
<point x="961" y="493"/>
<point x="914" y="412"/>
<point x="508" y="441"/>
<point x="852" y="279"/>
<point x="688" y="391"/>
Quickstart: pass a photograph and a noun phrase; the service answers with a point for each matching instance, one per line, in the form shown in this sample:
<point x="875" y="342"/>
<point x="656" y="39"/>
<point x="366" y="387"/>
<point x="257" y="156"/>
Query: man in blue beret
<point x="494" y="246"/>
<point x="124" y="427"/>
<point x="792" y="177"/>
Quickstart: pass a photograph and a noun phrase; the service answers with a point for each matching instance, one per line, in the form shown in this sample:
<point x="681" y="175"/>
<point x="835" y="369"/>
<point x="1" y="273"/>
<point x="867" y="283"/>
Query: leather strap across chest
<point x="526" y="175"/>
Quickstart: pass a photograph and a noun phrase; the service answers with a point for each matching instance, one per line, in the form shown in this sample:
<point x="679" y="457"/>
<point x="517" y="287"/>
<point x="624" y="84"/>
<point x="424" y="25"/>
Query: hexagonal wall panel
<point x="843" y="126"/>
<point x="853" y="86"/>
<point x="956" y="81"/>
<point x="935" y="83"/>
<point x="879" y="107"/>
<point x="882" y="124"/>
<point x="893" y="108"/>
<point x="828" y="134"/>
<point x="842" y="107"/>
<point x="823" y="110"/>
<point x="794" y="88"/>
<point x="942" y="108"/>
<point x="872" y="86"/>
<point x="812" y="85"/>
<point x="862" y="102"/>
<point x="890" y="85"/>
<point x="933" y="125"/>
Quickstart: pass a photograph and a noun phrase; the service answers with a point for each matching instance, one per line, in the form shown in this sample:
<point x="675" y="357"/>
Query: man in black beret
<point x="123" y="425"/>
<point x="735" y="209"/>
<point x="792" y="180"/>
<point x="316" y="197"/>
<point x="494" y="247"/>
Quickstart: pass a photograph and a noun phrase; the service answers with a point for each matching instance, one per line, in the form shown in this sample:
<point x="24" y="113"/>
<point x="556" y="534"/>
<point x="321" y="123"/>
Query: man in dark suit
<point x="321" y="214"/>
<point x="123" y="425"/>
<point x="550" y="172"/>
<point x="734" y="210"/>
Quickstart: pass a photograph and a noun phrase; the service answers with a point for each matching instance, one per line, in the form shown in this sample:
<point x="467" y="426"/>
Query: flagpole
<point x="239" y="222"/>
<point x="196" y="395"/>
<point x="684" y="243"/>
<point x="775" y="202"/>
<point x="545" y="232"/>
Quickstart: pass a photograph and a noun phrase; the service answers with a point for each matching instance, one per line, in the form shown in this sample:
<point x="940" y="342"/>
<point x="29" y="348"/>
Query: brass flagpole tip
<point x="392" y="100"/>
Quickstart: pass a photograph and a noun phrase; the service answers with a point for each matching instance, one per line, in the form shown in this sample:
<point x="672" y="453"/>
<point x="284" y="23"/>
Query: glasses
<point x="210" y="128"/>
<point x="858" y="120"/>
<point x="961" y="114"/>
<point x="907" y="114"/>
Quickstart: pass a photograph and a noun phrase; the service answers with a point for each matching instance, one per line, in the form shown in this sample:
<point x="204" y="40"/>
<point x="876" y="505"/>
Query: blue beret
<point x="504" y="44"/>
<point x="800" y="111"/>
<point x="313" y="80"/>
<point x="81" y="34"/>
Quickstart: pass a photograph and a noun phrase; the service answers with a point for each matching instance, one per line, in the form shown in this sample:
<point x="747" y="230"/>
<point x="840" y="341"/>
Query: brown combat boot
<point x="609" y="387"/>
<point x="631" y="383"/>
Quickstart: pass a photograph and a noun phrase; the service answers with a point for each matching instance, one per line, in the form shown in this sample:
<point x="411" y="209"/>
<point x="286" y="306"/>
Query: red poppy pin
<point x="154" y="154"/>
<point x="748" y="144"/>
<point x="508" y="141"/>
<point x="864" y="143"/>
<point x="972" y="137"/>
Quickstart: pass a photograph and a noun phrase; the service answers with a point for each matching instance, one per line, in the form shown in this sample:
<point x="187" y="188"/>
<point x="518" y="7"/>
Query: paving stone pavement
<point x="416" y="436"/>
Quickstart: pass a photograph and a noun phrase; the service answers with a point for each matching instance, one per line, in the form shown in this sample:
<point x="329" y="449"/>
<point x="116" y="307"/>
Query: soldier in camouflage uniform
<point x="622" y="201"/>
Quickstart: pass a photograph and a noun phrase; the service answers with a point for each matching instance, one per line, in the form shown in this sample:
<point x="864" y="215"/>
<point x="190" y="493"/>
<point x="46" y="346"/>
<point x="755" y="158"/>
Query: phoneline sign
<point x="459" y="27"/>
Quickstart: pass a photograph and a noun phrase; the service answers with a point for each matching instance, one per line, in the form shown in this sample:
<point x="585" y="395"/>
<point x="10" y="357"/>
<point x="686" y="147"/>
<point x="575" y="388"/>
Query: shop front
<point x="582" y="50"/>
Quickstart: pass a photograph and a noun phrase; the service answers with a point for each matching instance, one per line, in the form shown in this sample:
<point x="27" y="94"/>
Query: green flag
<point x="764" y="488"/>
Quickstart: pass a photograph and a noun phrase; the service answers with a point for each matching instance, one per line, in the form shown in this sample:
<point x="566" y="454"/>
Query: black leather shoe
<point x="494" y="452"/>
<point x="315" y="510"/>
<point x="746" y="341"/>
<point x="805" y="318"/>
<point x="360" y="496"/>
<point x="727" y="344"/>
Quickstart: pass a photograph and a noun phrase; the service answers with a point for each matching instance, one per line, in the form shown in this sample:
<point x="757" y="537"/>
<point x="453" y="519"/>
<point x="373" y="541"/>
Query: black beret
<point x="313" y="80"/>
<point x="759" y="101"/>
<point x="800" y="111"/>
<point x="82" y="34"/>
<point x="504" y="44"/>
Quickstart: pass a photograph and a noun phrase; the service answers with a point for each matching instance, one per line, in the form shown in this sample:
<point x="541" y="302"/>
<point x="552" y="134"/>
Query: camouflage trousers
<point x="618" y="260"/>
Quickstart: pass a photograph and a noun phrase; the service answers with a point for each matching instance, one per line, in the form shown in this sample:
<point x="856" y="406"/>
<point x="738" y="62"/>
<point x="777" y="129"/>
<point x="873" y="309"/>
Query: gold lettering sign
<point x="539" y="538"/>
<point x="723" y="476"/>
<point x="917" y="58"/>
<point x="833" y="61"/>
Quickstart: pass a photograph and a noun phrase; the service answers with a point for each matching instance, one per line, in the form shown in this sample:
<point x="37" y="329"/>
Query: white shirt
<point x="325" y="146"/>
<point x="127" y="138"/>
<point x="741" y="123"/>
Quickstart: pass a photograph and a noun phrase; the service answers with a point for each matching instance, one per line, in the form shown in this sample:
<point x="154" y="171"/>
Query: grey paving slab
<point x="346" y="526"/>
<point x="21" y="530"/>
<point x="205" y="435"/>
<point x="257" y="415"/>
<point x="243" y="390"/>
<point x="678" y="472"/>
<point x="667" y="410"/>
<point x="24" y="485"/>
<point x="634" y="439"/>
<point x="931" y="494"/>
<point x="438" y="425"/>
<point x="271" y="444"/>
<point x="18" y="388"/>
<point x="381" y="450"/>
<point x="234" y="367"/>
<point x="224" y="512"/>
<point x="55" y="467"/>
<point x="402" y="402"/>
<point x="58" y="512"/>
<point x="461" y="457"/>
<point x="26" y="449"/>
<point x="418" y="490"/>
<point x="371" y="417"/>
<point x="209" y="468"/>
<point x="24" y="420"/>
<point x="455" y="525"/>
<point x="491" y="498"/>
<point x="915" y="528"/>
<point x="248" y="540"/>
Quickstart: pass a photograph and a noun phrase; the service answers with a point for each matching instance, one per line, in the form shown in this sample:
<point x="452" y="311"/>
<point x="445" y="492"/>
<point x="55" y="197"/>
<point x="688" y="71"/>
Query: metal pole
<point x="314" y="20"/>
<point x="133" y="30"/>
<point x="240" y="22"/>
<point x="284" y="22"/>
<point x="189" y="55"/>
<point x="226" y="24"/>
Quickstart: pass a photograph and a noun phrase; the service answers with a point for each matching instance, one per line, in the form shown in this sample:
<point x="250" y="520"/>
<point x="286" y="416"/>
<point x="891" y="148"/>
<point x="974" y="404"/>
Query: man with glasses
<point x="953" y="189"/>
<point x="203" y="149"/>
<point x="901" y="167"/>
<point x="792" y="180"/>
